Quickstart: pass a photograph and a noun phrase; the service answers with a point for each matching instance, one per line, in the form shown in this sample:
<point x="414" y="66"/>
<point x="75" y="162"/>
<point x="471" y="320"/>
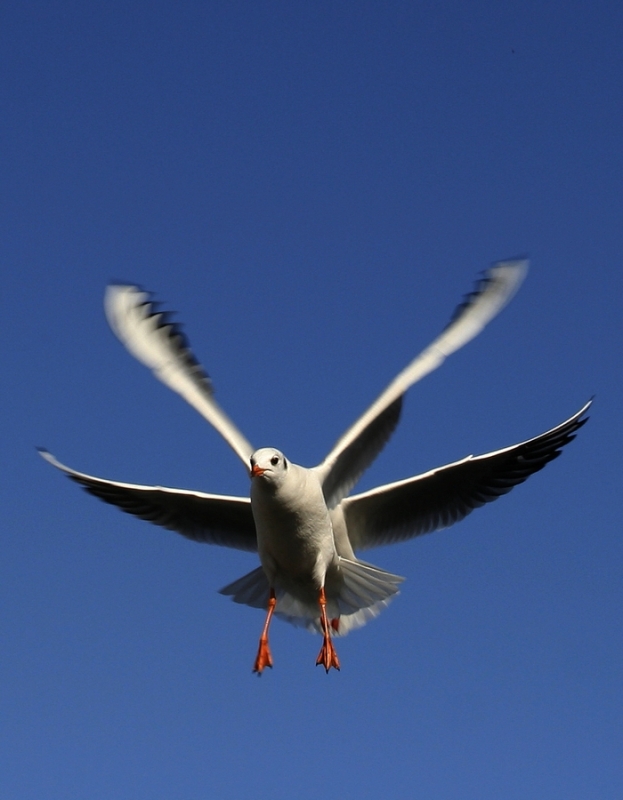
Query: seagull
<point x="302" y="522"/>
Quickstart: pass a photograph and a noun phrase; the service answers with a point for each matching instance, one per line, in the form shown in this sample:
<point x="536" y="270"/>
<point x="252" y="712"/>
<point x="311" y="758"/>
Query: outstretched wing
<point x="358" y="447"/>
<point x="208" y="518"/>
<point x="441" y="497"/>
<point x="160" y="344"/>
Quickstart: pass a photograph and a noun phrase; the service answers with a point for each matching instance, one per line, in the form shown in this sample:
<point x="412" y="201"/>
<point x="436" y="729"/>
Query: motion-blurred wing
<point x="209" y="518"/>
<point x="358" y="447"/>
<point x="441" y="497"/>
<point x="160" y="344"/>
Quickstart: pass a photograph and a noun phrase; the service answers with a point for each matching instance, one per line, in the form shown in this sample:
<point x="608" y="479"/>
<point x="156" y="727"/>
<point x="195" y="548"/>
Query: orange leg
<point x="327" y="656"/>
<point x="264" y="658"/>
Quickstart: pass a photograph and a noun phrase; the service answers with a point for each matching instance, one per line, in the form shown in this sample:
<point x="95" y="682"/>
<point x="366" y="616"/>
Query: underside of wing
<point x="208" y="518"/>
<point x="358" y="447"/>
<point x="160" y="344"/>
<point x="441" y="497"/>
<point x="350" y="464"/>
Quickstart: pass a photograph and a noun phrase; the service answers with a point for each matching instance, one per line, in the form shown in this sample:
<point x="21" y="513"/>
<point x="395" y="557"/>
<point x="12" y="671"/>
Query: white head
<point x="269" y="464"/>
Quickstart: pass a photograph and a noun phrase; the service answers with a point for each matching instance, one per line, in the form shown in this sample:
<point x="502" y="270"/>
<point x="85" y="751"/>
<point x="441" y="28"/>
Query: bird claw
<point x="264" y="658"/>
<point x="327" y="656"/>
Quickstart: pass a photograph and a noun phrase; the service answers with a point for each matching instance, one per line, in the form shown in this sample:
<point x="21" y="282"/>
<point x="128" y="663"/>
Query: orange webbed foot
<point x="264" y="658"/>
<point x="327" y="656"/>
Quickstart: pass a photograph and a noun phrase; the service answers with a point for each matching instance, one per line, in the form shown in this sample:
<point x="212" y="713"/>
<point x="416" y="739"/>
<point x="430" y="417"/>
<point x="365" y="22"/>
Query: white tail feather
<point x="362" y="592"/>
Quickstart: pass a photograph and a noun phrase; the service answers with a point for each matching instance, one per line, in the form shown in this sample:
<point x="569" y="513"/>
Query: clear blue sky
<point x="312" y="187"/>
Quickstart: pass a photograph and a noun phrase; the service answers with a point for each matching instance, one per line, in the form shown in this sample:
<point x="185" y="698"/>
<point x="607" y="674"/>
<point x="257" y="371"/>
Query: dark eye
<point x="274" y="460"/>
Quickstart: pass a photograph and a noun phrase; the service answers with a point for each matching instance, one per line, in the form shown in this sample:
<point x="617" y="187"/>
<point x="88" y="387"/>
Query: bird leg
<point x="327" y="656"/>
<point x="264" y="658"/>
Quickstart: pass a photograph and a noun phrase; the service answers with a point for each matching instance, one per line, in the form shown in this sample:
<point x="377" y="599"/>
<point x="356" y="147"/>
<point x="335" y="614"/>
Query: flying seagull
<point x="302" y="522"/>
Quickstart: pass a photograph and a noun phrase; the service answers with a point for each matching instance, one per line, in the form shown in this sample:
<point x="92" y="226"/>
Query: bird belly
<point x="295" y="547"/>
<point x="294" y="532"/>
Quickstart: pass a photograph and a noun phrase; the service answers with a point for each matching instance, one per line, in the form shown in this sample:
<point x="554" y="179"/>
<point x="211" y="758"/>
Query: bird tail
<point x="358" y="594"/>
<point x="365" y="592"/>
<point x="250" y="590"/>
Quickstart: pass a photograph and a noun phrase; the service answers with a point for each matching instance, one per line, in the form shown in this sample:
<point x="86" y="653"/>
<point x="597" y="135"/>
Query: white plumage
<point x="301" y="521"/>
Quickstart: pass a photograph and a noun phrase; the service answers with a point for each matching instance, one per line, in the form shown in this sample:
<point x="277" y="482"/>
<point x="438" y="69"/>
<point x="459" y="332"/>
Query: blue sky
<point x="312" y="187"/>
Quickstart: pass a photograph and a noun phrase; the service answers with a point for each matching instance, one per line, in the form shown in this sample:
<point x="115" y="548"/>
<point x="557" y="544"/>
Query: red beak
<point x="255" y="471"/>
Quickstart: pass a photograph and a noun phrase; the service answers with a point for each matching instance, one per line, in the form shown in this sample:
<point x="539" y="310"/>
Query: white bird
<point x="300" y="521"/>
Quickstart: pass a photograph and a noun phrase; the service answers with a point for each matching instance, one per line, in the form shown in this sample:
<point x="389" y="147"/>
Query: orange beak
<point x="255" y="471"/>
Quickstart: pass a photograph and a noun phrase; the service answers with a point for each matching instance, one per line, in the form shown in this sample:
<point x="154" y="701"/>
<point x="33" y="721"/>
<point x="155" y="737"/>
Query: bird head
<point x="268" y="464"/>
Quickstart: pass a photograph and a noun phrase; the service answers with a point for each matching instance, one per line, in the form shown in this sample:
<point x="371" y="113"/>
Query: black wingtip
<point x="583" y="412"/>
<point x="46" y="456"/>
<point x="485" y="278"/>
<point x="583" y="416"/>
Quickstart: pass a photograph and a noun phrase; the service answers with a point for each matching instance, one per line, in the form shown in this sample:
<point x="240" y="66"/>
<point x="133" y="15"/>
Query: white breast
<point x="294" y="531"/>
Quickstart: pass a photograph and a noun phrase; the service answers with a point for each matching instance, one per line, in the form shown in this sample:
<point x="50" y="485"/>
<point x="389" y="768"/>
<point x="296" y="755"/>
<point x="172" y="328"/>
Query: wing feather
<point x="353" y="453"/>
<point x="441" y="497"/>
<point x="160" y="344"/>
<point x="207" y="518"/>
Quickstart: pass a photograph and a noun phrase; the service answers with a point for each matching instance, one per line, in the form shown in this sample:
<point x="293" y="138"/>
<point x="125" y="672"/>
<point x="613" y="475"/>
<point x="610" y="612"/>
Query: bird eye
<point x="274" y="460"/>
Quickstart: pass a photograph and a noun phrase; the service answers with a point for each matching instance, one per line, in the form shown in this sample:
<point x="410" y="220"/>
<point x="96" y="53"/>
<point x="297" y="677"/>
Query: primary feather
<point x="159" y="343"/>
<point x="355" y="450"/>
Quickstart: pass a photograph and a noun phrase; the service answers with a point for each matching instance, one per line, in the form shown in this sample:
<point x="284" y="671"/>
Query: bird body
<point x="292" y="522"/>
<point x="301" y="521"/>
